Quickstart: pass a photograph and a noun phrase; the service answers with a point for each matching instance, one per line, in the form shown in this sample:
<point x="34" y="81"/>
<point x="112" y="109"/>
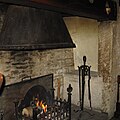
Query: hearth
<point x="33" y="99"/>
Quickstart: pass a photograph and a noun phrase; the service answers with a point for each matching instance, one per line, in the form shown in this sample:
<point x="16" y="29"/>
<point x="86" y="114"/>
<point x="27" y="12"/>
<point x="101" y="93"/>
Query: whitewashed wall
<point x="84" y="33"/>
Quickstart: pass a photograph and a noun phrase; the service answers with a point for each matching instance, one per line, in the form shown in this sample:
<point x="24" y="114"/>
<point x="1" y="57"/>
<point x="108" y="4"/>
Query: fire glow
<point x="41" y="105"/>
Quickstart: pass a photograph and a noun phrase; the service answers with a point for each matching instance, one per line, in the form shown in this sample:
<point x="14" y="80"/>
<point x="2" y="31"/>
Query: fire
<point x="44" y="107"/>
<point x="40" y="104"/>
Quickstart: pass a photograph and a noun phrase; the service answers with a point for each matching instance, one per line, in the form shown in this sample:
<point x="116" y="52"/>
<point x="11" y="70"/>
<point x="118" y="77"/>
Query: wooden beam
<point x="72" y="8"/>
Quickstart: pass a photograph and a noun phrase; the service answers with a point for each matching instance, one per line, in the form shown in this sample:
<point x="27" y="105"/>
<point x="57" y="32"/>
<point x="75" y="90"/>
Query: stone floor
<point x="115" y="118"/>
<point x="88" y="115"/>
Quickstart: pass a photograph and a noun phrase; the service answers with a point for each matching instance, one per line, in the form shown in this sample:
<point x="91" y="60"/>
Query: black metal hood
<point x="28" y="28"/>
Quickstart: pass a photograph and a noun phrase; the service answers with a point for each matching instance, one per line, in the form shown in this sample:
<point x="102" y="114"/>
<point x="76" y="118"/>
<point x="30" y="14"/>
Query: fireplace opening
<point x="37" y="98"/>
<point x="34" y="104"/>
<point x="33" y="99"/>
<point x="36" y="92"/>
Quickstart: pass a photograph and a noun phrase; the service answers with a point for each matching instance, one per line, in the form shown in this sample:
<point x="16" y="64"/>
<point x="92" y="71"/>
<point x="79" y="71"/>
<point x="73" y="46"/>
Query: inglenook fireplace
<point x="34" y="42"/>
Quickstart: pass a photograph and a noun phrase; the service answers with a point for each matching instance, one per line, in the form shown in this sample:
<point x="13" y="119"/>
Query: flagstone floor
<point x="88" y="115"/>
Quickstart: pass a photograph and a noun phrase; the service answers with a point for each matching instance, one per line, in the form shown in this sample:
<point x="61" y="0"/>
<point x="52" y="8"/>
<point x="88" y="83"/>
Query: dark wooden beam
<point x="81" y="8"/>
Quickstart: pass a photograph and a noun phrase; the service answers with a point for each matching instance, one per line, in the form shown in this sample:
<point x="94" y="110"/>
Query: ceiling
<point x="94" y="9"/>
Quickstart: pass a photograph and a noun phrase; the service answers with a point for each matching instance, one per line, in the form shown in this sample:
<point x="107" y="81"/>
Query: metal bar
<point x="16" y="109"/>
<point x="69" y="90"/>
<point x="83" y="81"/>
<point x="79" y="68"/>
<point x="83" y="89"/>
<point x="118" y="81"/>
<point x="89" y="90"/>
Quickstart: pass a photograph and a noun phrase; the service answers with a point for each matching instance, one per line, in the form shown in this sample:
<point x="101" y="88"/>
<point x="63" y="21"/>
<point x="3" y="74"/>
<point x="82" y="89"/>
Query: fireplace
<point x="34" y="99"/>
<point x="21" y="91"/>
<point x="35" y="48"/>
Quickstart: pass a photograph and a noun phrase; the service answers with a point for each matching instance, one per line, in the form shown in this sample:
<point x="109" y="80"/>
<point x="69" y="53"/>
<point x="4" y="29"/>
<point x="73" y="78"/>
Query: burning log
<point x="36" y="109"/>
<point x="27" y="112"/>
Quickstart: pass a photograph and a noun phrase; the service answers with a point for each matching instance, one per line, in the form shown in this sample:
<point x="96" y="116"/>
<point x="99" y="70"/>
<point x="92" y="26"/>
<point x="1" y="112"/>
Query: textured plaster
<point x="84" y="33"/>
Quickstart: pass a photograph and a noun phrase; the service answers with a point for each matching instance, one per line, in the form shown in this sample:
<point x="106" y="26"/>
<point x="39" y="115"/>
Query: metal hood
<point x="28" y="28"/>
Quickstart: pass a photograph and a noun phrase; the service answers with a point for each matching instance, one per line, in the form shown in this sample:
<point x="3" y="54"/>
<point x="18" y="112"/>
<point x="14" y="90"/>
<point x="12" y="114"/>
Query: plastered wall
<point x="84" y="33"/>
<point x="100" y="42"/>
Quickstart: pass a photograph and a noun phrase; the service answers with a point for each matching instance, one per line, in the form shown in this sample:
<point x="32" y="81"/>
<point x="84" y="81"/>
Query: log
<point x="27" y="112"/>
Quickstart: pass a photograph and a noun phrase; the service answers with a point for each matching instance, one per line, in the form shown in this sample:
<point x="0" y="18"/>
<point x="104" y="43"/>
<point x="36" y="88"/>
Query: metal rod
<point x="16" y="102"/>
<point x="69" y="90"/>
<point x="79" y="86"/>
<point x="89" y="90"/>
<point x="83" y="89"/>
<point x="83" y="81"/>
<point x="118" y="85"/>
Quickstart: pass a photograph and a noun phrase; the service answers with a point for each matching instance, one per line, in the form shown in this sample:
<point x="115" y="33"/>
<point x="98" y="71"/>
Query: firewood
<point x="27" y="112"/>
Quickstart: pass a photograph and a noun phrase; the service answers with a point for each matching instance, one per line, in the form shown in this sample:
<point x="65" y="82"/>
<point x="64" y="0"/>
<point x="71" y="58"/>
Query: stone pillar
<point x="116" y="56"/>
<point x="105" y="62"/>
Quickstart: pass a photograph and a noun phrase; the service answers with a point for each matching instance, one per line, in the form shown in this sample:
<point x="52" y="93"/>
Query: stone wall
<point x="106" y="38"/>
<point x="116" y="56"/>
<point x="16" y="65"/>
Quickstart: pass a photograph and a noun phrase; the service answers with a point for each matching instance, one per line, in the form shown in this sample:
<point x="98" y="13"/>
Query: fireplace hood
<point x="27" y="28"/>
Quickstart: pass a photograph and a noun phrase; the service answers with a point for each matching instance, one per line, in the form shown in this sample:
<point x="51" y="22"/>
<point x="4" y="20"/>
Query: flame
<point x="44" y="107"/>
<point x="41" y="104"/>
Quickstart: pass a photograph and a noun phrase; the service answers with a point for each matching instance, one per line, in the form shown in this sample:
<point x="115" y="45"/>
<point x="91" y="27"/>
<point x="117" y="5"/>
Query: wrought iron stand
<point x="84" y="71"/>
